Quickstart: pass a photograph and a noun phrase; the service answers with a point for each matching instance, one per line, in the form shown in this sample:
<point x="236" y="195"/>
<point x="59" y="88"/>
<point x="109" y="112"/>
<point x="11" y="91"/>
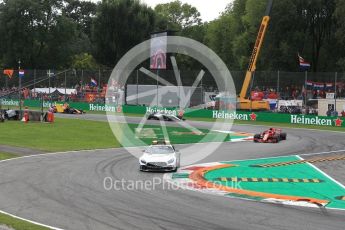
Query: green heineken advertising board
<point x="197" y="113"/>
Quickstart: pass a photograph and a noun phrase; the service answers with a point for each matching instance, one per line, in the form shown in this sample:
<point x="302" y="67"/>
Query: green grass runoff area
<point x="62" y="135"/>
<point x="76" y="134"/>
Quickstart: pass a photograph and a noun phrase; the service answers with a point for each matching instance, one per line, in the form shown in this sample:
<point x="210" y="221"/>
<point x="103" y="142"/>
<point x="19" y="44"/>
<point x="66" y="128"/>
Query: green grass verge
<point x="4" y="156"/>
<point x="18" y="224"/>
<point x="62" y="135"/>
<point x="77" y="134"/>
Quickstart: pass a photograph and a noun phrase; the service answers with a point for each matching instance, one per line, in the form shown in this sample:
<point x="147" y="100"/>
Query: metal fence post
<point x="278" y="81"/>
<point x="157" y="86"/>
<point x="20" y="92"/>
<point x="99" y="80"/>
<point x="305" y="89"/>
<point x="48" y="75"/>
<point x="65" y="85"/>
<point x="335" y="91"/>
<point x="82" y="77"/>
<point x="34" y="81"/>
<point x="201" y="89"/>
<point x="6" y="82"/>
<point x="137" y="86"/>
<point x="179" y="92"/>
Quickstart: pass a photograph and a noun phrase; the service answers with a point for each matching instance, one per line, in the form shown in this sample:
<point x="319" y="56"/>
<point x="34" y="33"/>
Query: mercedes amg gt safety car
<point x="160" y="156"/>
<point x="271" y="135"/>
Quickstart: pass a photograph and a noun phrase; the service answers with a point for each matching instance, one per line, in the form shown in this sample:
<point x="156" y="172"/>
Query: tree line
<point x="81" y="34"/>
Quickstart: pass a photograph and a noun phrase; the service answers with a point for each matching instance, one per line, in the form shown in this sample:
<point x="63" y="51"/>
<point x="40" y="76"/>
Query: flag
<point x="329" y="86"/>
<point x="309" y="83"/>
<point x="303" y="64"/>
<point x="318" y="85"/>
<point x="93" y="82"/>
<point x="21" y="73"/>
<point x="8" y="72"/>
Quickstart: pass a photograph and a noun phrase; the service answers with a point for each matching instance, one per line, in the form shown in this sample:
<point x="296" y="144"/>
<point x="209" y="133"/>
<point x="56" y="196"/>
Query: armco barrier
<point x="193" y="113"/>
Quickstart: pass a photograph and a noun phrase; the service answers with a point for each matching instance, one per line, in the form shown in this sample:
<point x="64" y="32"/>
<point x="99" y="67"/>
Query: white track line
<point x="24" y="219"/>
<point x="304" y="154"/>
<point x="310" y="154"/>
<point x="323" y="173"/>
<point x="30" y="221"/>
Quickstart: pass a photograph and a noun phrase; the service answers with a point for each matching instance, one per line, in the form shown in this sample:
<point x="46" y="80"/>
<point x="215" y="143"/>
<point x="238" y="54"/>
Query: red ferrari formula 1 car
<point x="271" y="135"/>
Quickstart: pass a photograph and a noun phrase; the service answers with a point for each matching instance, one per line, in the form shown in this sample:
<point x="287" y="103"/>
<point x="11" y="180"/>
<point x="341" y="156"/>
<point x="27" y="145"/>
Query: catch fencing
<point x="91" y="85"/>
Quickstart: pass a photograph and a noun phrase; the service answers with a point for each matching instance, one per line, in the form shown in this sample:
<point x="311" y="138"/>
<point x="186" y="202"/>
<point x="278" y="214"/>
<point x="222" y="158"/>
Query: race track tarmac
<point x="67" y="191"/>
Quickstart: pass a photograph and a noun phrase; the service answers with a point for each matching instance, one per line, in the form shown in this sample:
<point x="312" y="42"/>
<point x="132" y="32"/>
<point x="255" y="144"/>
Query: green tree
<point x="35" y="32"/>
<point x="319" y="17"/>
<point x="81" y="13"/>
<point x="178" y="15"/>
<point x="84" y="61"/>
<point x="300" y="26"/>
<point x="226" y="34"/>
<point x="340" y="33"/>
<point x="118" y="26"/>
<point x="304" y="26"/>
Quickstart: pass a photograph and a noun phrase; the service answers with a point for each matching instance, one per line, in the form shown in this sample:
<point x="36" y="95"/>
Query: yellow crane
<point x="243" y="101"/>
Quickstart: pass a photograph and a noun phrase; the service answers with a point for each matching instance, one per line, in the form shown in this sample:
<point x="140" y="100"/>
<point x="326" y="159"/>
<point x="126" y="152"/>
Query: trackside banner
<point x="194" y="113"/>
<point x="9" y="102"/>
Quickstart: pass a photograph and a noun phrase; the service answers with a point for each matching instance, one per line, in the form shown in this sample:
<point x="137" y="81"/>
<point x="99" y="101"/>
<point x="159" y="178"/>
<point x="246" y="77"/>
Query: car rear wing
<point x="161" y="142"/>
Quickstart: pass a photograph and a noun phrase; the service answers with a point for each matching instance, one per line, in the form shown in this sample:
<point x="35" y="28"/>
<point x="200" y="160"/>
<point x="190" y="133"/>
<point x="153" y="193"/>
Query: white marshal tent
<point x="62" y="91"/>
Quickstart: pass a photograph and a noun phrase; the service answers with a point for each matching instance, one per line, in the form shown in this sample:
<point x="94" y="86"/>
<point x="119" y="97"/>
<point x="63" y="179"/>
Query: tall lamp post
<point x="20" y="91"/>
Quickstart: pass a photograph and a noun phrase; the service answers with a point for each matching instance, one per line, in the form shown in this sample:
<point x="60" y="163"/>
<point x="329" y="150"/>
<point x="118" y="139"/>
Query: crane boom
<point x="256" y="51"/>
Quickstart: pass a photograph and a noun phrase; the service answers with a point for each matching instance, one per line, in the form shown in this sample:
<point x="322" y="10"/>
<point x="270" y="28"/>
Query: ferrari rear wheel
<point x="256" y="137"/>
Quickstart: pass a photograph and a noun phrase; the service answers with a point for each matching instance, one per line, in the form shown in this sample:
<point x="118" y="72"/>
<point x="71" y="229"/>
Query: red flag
<point x="8" y="72"/>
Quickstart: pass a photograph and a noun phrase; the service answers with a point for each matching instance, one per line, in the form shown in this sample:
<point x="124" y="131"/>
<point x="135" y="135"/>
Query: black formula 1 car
<point x="271" y="135"/>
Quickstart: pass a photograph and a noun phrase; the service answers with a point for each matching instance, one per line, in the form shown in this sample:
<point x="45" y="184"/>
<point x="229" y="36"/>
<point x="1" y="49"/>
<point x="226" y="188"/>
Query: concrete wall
<point x="324" y="103"/>
<point x="165" y="96"/>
